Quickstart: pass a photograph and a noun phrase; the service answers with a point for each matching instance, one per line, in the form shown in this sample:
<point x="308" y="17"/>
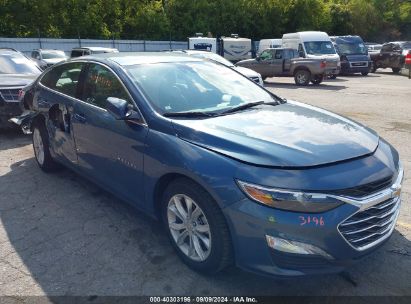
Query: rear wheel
<point x="396" y="70"/>
<point x="196" y="227"/>
<point x="302" y="77"/>
<point x="41" y="148"/>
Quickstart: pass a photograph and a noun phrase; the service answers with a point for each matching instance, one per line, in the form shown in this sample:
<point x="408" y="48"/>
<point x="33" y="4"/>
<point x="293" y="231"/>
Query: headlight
<point x="289" y="199"/>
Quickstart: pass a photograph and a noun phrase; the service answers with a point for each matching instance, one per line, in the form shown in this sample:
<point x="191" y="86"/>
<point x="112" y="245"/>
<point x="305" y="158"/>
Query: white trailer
<point x="235" y="48"/>
<point x="203" y="43"/>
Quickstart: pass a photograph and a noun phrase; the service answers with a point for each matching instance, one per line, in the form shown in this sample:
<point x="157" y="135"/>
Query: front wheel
<point x="333" y="76"/>
<point x="373" y="67"/>
<point x="302" y="77"/>
<point x="41" y="149"/>
<point x="364" y="73"/>
<point x="396" y="70"/>
<point x="196" y="227"/>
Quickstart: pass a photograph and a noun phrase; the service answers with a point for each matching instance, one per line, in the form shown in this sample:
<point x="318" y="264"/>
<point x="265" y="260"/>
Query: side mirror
<point x="120" y="109"/>
<point x="301" y="54"/>
<point x="258" y="58"/>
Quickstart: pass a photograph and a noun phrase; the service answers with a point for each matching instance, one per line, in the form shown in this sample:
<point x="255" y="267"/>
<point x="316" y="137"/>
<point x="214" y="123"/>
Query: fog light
<point x="295" y="247"/>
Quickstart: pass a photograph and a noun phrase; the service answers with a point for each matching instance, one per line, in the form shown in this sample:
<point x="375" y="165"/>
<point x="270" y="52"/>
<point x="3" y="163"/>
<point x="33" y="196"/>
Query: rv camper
<point x="202" y="43"/>
<point x="235" y="48"/>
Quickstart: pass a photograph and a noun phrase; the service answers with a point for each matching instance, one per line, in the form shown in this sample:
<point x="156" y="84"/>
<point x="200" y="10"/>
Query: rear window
<point x="63" y="78"/>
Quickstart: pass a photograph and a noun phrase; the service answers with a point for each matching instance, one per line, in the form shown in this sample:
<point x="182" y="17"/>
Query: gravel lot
<point x="61" y="235"/>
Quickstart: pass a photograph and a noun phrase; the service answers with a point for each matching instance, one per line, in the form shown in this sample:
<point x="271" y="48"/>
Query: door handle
<point x="80" y="118"/>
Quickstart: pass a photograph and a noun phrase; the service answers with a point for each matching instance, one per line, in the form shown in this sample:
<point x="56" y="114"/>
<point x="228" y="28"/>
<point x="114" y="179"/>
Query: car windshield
<point x="198" y="86"/>
<point x="53" y="54"/>
<point x="214" y="57"/>
<point x="352" y="48"/>
<point x="406" y="45"/>
<point x="15" y="63"/>
<point x="319" y="48"/>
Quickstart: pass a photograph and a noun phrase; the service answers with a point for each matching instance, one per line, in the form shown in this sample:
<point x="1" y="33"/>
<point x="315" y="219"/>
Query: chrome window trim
<point x="143" y="123"/>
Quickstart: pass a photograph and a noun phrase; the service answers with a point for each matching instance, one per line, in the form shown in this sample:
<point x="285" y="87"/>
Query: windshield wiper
<point x="188" y="114"/>
<point x="248" y="105"/>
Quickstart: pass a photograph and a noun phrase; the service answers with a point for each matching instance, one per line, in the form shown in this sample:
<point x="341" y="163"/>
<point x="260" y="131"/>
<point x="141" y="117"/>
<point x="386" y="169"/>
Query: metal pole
<point x="38" y="32"/>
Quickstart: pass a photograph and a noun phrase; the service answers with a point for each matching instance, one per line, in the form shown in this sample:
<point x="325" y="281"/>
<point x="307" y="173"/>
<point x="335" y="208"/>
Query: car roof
<point x="135" y="58"/>
<point x="93" y="48"/>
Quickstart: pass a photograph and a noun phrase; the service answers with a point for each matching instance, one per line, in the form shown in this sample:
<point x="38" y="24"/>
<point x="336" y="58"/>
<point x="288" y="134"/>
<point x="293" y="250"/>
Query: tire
<point x="41" y="148"/>
<point x="364" y="73"/>
<point x="396" y="70"/>
<point x="373" y="67"/>
<point x="302" y="77"/>
<point x="317" y="79"/>
<point x="333" y="76"/>
<point x="219" y="254"/>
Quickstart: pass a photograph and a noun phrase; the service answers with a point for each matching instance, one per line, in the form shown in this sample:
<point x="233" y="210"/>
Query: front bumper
<point x="251" y="222"/>
<point x="351" y="67"/>
<point x="7" y="111"/>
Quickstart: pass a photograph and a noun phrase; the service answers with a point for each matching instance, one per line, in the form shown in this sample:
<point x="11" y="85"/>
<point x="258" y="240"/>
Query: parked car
<point x="83" y="51"/>
<point x="312" y="44"/>
<point x="16" y="71"/>
<point x="45" y="58"/>
<point x="235" y="173"/>
<point x="254" y="76"/>
<point x="373" y="47"/>
<point x="268" y="44"/>
<point x="392" y="55"/>
<point x="353" y="54"/>
<point x="286" y="62"/>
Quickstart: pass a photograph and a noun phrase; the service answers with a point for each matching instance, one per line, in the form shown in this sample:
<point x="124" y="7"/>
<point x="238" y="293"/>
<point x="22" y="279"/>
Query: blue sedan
<point x="236" y="174"/>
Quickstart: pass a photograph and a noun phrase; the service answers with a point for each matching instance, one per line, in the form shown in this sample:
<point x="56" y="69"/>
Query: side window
<point x="266" y="55"/>
<point x="100" y="84"/>
<point x="279" y="54"/>
<point x="35" y="55"/>
<point x="63" y="78"/>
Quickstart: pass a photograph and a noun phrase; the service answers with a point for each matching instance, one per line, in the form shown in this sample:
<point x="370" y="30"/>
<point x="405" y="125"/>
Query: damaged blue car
<point x="236" y="174"/>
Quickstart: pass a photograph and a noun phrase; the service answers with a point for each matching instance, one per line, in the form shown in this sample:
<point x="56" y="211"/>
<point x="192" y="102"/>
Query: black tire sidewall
<point x="308" y="77"/>
<point x="204" y="201"/>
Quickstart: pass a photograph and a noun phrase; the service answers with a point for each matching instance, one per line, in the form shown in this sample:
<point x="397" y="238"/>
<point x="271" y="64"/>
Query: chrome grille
<point x="10" y="95"/>
<point x="368" y="227"/>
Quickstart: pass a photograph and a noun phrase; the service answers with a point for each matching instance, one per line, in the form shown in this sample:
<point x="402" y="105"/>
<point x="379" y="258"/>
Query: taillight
<point x="323" y="64"/>
<point x="408" y="58"/>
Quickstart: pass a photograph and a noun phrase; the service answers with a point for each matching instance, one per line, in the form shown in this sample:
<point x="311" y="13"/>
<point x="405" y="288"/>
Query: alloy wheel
<point x="38" y="146"/>
<point x="189" y="227"/>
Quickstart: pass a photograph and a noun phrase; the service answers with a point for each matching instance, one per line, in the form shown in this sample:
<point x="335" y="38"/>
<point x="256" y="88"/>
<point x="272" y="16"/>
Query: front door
<point x="109" y="150"/>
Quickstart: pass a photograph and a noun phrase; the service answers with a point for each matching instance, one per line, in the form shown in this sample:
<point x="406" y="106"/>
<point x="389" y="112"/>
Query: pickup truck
<point x="287" y="62"/>
<point x="392" y="55"/>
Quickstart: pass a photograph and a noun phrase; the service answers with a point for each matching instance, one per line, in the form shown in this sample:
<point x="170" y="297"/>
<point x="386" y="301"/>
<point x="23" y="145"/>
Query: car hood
<point x="246" y="72"/>
<point x="247" y="62"/>
<point x="287" y="135"/>
<point x="53" y="60"/>
<point x="16" y="80"/>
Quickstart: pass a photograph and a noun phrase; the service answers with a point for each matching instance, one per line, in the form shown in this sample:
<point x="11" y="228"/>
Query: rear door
<point x="59" y="91"/>
<point x="109" y="150"/>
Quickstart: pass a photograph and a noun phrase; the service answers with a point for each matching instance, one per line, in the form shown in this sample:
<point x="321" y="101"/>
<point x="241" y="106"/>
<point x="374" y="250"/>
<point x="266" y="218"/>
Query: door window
<point x="266" y="55"/>
<point x="279" y="54"/>
<point x="63" y="78"/>
<point x="100" y="84"/>
<point x="387" y="48"/>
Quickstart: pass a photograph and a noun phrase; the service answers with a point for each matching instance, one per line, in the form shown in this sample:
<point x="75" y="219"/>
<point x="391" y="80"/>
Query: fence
<point x="26" y="45"/>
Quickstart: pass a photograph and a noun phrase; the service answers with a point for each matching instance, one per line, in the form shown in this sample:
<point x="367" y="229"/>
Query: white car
<point x="254" y="76"/>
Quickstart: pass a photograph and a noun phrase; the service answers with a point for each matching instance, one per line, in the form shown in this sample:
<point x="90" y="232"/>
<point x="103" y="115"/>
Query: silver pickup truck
<point x="282" y="62"/>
